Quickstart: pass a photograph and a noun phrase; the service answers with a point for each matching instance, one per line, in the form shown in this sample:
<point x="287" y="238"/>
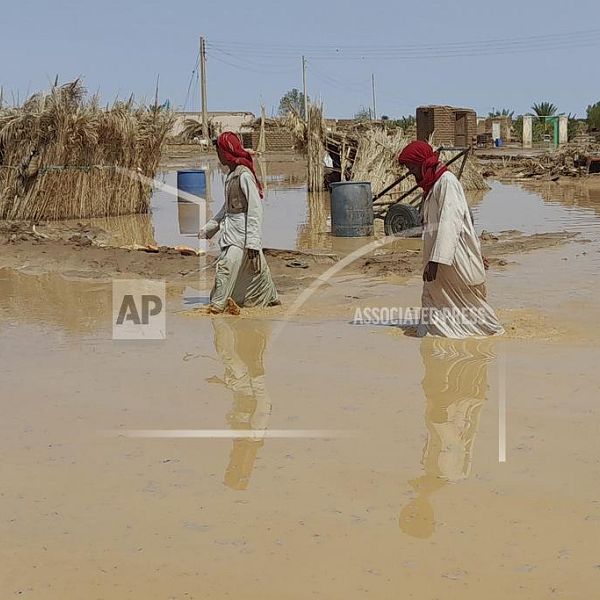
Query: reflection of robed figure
<point x="455" y="387"/>
<point x="240" y="344"/>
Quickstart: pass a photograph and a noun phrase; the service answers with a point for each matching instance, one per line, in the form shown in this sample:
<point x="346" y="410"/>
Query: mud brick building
<point x="277" y="139"/>
<point x="450" y="126"/>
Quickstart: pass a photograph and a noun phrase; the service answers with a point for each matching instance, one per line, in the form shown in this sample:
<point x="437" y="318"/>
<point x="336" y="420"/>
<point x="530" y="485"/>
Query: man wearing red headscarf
<point x="242" y="275"/>
<point x="454" y="294"/>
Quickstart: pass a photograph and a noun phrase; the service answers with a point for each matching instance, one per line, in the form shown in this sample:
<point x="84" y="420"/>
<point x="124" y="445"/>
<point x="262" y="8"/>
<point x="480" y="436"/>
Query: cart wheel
<point x="401" y="217"/>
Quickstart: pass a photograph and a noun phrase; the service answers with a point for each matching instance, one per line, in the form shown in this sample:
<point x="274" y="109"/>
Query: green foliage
<point x="407" y="122"/>
<point x="593" y="116"/>
<point x="404" y="123"/>
<point x="517" y="128"/>
<point x="576" y="126"/>
<point x="505" y="112"/>
<point x="539" y="128"/>
<point x="543" y="127"/>
<point x="292" y="100"/>
<point x="544" y="109"/>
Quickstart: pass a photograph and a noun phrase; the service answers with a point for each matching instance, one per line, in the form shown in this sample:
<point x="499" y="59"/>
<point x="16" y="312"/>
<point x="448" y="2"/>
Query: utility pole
<point x="203" y="88"/>
<point x="374" y="103"/>
<point x="304" y="88"/>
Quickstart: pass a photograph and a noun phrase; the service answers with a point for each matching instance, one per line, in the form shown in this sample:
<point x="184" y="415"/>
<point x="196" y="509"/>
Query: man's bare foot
<point x="231" y="307"/>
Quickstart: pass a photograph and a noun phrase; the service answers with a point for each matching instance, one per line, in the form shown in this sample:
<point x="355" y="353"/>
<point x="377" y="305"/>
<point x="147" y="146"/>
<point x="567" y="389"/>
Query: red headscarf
<point x="431" y="168"/>
<point x="232" y="150"/>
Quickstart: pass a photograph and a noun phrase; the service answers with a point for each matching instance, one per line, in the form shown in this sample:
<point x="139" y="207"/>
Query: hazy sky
<point x="120" y="47"/>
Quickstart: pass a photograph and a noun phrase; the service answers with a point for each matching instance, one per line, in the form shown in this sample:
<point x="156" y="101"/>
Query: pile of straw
<point x="376" y="161"/>
<point x="62" y="156"/>
<point x="192" y="130"/>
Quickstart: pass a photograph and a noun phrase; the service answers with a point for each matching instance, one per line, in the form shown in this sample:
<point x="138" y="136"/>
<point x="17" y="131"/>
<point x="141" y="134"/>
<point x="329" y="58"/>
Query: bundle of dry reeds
<point x="192" y="130"/>
<point x="309" y="137"/>
<point x="63" y="156"/>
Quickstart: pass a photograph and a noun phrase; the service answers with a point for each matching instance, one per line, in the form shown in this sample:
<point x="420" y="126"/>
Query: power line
<point x="343" y="86"/>
<point x="194" y="71"/>
<point x="245" y="64"/>
<point x="394" y="47"/>
<point x="454" y="49"/>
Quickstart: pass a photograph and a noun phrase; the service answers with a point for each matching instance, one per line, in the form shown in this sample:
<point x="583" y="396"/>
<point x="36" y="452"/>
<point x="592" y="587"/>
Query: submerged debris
<point x="572" y="160"/>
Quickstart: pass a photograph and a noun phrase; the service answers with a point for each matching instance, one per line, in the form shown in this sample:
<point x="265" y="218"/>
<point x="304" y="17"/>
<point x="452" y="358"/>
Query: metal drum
<point x="351" y="209"/>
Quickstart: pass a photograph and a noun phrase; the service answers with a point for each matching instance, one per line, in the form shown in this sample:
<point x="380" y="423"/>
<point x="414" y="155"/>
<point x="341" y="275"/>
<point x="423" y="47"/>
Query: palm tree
<point x="544" y="109"/>
<point x="505" y="112"/>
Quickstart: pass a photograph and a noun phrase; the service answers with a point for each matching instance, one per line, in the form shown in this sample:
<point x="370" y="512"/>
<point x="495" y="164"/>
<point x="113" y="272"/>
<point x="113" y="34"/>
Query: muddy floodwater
<point x="297" y="220"/>
<point x="313" y="458"/>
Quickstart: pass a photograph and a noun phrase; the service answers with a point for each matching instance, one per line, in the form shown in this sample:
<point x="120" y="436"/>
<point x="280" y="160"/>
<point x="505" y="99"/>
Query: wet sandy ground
<point x="404" y="496"/>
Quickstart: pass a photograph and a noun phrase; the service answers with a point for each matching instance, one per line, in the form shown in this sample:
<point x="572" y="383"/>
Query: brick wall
<point x="424" y="122"/>
<point x="442" y="120"/>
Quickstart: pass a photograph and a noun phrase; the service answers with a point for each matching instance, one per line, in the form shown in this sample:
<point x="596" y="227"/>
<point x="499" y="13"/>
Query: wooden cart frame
<point x="399" y="216"/>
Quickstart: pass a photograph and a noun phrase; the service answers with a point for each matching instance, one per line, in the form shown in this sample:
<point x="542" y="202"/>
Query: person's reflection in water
<point x="240" y="344"/>
<point x="455" y="388"/>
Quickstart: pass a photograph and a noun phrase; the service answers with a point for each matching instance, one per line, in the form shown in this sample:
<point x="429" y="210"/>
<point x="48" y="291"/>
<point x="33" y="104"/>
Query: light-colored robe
<point x="455" y="387"/>
<point x="241" y="345"/>
<point x="454" y="304"/>
<point x="239" y="232"/>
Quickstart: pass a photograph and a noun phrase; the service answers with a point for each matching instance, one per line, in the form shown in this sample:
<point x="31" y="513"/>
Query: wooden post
<point x="205" y="133"/>
<point x="374" y="103"/>
<point x="304" y="89"/>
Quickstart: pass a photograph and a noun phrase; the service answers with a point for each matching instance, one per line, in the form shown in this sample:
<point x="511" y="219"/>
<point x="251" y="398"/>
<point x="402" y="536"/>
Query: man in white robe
<point x="242" y="275"/>
<point x="454" y="295"/>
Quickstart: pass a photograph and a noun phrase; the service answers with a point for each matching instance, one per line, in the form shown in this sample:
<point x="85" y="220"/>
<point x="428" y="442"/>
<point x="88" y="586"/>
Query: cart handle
<point x="413" y="189"/>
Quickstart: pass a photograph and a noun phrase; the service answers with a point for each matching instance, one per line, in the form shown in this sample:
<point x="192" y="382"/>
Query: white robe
<point x="454" y="304"/>
<point x="240" y="232"/>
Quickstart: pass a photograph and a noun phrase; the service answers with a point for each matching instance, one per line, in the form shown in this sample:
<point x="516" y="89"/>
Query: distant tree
<point x="575" y="126"/>
<point x="292" y="100"/>
<point x="385" y="118"/>
<point x="517" y="128"/>
<point x="505" y="112"/>
<point x="407" y="122"/>
<point x="363" y="114"/>
<point x="593" y="116"/>
<point x="543" y="127"/>
<point x="544" y="109"/>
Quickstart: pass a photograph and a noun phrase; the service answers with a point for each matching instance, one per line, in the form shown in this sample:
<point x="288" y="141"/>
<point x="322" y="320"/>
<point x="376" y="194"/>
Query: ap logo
<point x="139" y="309"/>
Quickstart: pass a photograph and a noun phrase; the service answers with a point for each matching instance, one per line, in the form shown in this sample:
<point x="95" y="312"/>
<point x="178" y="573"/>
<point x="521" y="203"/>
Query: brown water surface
<point x="404" y="497"/>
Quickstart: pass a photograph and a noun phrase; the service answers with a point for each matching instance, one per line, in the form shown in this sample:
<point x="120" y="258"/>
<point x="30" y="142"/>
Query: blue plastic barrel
<point x="192" y="182"/>
<point x="351" y="209"/>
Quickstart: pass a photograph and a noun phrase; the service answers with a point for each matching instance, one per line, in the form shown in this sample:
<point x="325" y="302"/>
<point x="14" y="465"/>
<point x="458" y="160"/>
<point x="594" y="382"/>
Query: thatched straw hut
<point x="63" y="156"/>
